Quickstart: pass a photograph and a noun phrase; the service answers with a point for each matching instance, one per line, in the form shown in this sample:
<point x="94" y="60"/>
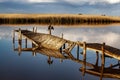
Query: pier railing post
<point x="84" y="57"/>
<point x="19" y="41"/>
<point x="33" y="29"/>
<point x="62" y="46"/>
<point x="103" y="54"/>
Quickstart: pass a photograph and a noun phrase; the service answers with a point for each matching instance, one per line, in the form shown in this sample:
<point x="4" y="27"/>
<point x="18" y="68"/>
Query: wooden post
<point x="25" y="42"/>
<point x="50" y="31"/>
<point x="64" y="46"/>
<point x="19" y="41"/>
<point x="84" y="51"/>
<point x="33" y="29"/>
<point x="102" y="60"/>
<point x="13" y="35"/>
<point x="97" y="58"/>
<point x="33" y="53"/>
<point x="77" y="51"/>
<point x="84" y="57"/>
<point x="61" y="47"/>
<point x="103" y="54"/>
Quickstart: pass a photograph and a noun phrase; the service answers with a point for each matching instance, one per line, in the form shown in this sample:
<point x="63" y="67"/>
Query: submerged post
<point x="84" y="57"/>
<point x="103" y="53"/>
<point x="13" y="35"/>
<point x="20" y="41"/>
<point x="33" y="53"/>
<point x="25" y="42"/>
<point x="77" y="51"/>
<point x="102" y="60"/>
<point x="97" y="58"/>
<point x="84" y="51"/>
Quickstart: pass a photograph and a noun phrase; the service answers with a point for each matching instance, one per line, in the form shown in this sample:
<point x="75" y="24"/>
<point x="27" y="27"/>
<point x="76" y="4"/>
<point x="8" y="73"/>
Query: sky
<point x="108" y="7"/>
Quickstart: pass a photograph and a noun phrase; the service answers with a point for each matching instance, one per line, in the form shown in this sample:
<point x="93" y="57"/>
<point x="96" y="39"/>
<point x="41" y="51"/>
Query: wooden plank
<point x="109" y="51"/>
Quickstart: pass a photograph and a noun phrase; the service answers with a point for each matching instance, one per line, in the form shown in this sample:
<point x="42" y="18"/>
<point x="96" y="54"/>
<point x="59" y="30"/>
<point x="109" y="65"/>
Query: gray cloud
<point x="69" y="1"/>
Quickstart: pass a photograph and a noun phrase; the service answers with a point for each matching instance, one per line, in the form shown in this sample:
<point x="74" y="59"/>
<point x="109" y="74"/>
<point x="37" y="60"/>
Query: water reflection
<point x="74" y="34"/>
<point x="112" y="71"/>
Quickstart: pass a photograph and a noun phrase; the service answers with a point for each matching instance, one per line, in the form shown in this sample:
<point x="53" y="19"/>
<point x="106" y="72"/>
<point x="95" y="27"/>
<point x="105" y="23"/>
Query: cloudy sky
<point x="108" y="7"/>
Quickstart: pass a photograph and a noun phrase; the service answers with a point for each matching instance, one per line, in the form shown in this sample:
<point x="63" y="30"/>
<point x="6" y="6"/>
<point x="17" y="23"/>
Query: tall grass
<point x="58" y="20"/>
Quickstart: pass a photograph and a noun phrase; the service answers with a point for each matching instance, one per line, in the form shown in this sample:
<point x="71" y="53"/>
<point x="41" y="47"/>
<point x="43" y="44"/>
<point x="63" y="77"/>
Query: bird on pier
<point x="50" y="27"/>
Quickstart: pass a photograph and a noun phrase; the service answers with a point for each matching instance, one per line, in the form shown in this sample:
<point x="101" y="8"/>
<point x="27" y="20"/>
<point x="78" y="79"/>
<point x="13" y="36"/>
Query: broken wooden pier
<point x="57" y="43"/>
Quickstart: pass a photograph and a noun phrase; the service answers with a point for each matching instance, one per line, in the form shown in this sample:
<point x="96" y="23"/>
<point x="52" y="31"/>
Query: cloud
<point x="92" y="1"/>
<point x="68" y="1"/>
<point x="39" y="1"/>
<point x="91" y="35"/>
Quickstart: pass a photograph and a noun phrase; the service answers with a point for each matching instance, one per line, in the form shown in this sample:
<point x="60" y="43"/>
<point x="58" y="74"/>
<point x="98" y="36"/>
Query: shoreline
<point x="57" y="19"/>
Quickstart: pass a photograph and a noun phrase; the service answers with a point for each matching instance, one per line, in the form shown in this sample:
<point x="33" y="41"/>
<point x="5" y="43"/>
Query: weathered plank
<point x="108" y="73"/>
<point x="44" y="40"/>
<point x="109" y="50"/>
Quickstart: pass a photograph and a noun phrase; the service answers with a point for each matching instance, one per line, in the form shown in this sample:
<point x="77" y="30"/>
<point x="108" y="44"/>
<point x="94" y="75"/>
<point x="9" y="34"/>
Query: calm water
<point x="28" y="67"/>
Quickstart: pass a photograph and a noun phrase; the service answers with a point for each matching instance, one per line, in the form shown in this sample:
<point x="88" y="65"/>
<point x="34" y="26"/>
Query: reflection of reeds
<point x="57" y="19"/>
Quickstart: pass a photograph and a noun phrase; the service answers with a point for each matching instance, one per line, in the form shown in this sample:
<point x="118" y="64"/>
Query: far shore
<point x="57" y="19"/>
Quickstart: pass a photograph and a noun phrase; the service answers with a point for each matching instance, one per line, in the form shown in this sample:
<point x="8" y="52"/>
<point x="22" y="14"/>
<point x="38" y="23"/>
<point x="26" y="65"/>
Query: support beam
<point x="97" y="58"/>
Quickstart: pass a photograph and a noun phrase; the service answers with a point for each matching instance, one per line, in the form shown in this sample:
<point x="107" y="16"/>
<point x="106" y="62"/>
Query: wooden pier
<point x="108" y="50"/>
<point x="56" y="43"/>
<point x="94" y="69"/>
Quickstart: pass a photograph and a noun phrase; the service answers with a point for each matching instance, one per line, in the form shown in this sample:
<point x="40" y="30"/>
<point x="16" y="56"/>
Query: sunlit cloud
<point x="93" y="1"/>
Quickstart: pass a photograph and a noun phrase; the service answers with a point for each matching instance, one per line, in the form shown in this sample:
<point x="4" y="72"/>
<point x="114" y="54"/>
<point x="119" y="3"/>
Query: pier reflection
<point x="50" y="48"/>
<point x="112" y="71"/>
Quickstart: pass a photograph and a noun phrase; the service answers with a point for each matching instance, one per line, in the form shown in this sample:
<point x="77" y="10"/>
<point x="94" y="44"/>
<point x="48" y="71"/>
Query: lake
<point x="29" y="66"/>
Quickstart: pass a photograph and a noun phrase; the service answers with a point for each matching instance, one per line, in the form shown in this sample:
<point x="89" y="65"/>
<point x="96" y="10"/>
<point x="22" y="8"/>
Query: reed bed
<point x="57" y="19"/>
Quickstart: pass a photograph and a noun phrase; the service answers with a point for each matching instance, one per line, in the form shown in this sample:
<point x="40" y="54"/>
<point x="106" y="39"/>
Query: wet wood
<point x="44" y="40"/>
<point x="55" y="43"/>
<point x="108" y="73"/>
<point x="109" y="50"/>
<point x="77" y="52"/>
